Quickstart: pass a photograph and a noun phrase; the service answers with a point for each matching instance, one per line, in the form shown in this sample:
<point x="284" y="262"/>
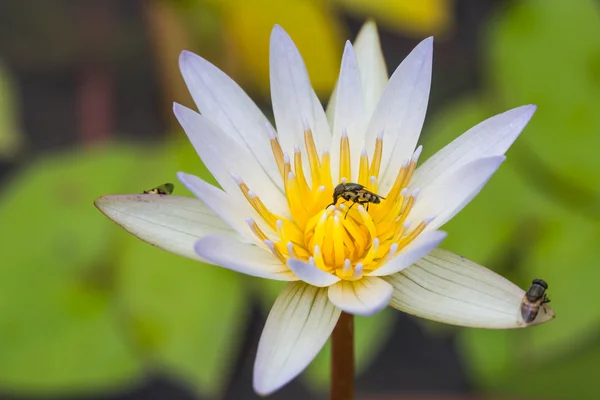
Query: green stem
<point x="342" y="359"/>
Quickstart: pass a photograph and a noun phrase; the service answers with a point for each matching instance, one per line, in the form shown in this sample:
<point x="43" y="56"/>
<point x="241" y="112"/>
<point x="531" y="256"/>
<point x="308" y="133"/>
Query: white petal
<point x="233" y="213"/>
<point x="447" y="288"/>
<point x="298" y="326"/>
<point x="241" y="257"/>
<point x="373" y="71"/>
<point x="349" y="114"/>
<point x="171" y="223"/>
<point x="224" y="157"/>
<point x="225" y="104"/>
<point x="311" y="274"/>
<point x="492" y="137"/>
<point x="444" y="200"/>
<point x="401" y="110"/>
<point x="365" y="296"/>
<point x="418" y="248"/>
<point x="293" y="97"/>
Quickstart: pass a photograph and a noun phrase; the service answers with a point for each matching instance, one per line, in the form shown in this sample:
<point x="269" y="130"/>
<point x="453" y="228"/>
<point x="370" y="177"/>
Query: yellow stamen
<point x="318" y="258"/>
<point x="372" y="252"/>
<point x="344" y="156"/>
<point x="323" y="197"/>
<point x="358" y="272"/>
<point x="256" y="203"/>
<point x="294" y="199"/>
<point x="256" y="229"/>
<point x="373" y="186"/>
<point x="342" y="239"/>
<point x="276" y="149"/>
<point x="276" y="251"/>
<point x="376" y="163"/>
<point x="313" y="156"/>
<point x="403" y="227"/>
<point x="262" y="210"/>
<point x="290" y="250"/>
<point x="349" y="244"/>
<point x="326" y="171"/>
<point x="302" y="184"/>
<point x="407" y="207"/>
<point x="346" y="271"/>
<point x="390" y="253"/>
<point x="279" y="227"/>
<point x="397" y="186"/>
<point x="338" y="241"/>
<point x="296" y="251"/>
<point x="327" y="247"/>
<point x="319" y="235"/>
<point x="363" y="170"/>
<point x="412" y="235"/>
<point x="359" y="239"/>
<point x="287" y="166"/>
<point x="411" y="169"/>
<point x="292" y="232"/>
<point x="367" y="221"/>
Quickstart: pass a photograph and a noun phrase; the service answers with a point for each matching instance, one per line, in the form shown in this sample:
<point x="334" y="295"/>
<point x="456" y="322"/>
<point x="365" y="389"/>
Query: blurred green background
<point x="89" y="312"/>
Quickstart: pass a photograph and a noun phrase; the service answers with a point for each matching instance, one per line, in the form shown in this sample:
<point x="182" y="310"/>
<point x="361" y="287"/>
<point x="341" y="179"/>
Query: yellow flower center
<point x="344" y="241"/>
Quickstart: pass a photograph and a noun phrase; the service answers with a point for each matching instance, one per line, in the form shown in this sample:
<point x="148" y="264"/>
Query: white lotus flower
<point x="271" y="219"/>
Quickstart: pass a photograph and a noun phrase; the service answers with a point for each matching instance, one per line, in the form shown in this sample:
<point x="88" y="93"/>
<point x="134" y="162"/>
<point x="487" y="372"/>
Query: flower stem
<point x="342" y="359"/>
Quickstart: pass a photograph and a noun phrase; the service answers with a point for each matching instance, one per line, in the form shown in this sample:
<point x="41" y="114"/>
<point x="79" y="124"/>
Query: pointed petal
<point x="293" y="97"/>
<point x="373" y="71"/>
<point x="401" y="110"/>
<point x="311" y="274"/>
<point x="445" y="200"/>
<point x="418" y="248"/>
<point x="365" y="296"/>
<point x="349" y="113"/>
<point x="226" y="105"/>
<point x="447" y="288"/>
<point x="171" y="223"/>
<point x="492" y="137"/>
<point x="241" y="257"/>
<point x="298" y="326"/>
<point x="224" y="157"/>
<point x="233" y="213"/>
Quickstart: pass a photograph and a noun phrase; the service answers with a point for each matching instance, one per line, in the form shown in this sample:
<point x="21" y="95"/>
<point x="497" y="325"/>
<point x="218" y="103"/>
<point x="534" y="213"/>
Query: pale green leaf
<point x="57" y="326"/>
<point x="186" y="317"/>
<point x="547" y="52"/>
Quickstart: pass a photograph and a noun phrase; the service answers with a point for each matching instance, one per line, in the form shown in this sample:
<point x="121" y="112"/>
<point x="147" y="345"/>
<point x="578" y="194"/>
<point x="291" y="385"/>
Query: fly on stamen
<point x="355" y="193"/>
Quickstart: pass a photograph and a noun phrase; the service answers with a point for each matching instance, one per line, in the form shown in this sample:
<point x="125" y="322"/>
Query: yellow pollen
<point x="347" y="239"/>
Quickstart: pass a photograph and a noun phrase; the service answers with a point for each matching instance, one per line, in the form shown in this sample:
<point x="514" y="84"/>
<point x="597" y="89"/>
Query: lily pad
<point x="57" y="330"/>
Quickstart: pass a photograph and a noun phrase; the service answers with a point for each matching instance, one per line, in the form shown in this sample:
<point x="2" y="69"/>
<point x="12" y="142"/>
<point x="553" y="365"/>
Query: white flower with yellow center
<point x="273" y="217"/>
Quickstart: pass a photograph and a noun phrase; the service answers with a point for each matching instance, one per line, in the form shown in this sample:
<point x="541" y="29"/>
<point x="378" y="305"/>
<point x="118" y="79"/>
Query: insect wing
<point x="163" y="189"/>
<point x="364" y="193"/>
<point x="167" y="188"/>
